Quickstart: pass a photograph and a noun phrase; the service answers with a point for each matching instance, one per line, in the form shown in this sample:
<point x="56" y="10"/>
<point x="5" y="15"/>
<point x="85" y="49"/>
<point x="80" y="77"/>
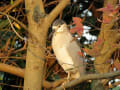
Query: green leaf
<point x="0" y="88"/>
<point x="3" y="23"/>
<point x="11" y="2"/>
<point x="1" y="78"/>
<point x="116" y="88"/>
<point x="56" y="77"/>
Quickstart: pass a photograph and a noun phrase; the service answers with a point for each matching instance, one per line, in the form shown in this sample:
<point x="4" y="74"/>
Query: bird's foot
<point x="69" y="77"/>
<point x="63" y="85"/>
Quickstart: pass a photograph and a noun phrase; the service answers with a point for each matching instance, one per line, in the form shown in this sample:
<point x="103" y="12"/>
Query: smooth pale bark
<point x="38" y="24"/>
<point x="89" y="77"/>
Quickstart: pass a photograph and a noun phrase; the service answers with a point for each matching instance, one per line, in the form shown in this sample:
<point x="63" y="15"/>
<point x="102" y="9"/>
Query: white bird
<point x="66" y="50"/>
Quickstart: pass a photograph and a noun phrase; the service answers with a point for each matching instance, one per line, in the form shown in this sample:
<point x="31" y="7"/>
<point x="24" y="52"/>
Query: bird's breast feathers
<point x="66" y="50"/>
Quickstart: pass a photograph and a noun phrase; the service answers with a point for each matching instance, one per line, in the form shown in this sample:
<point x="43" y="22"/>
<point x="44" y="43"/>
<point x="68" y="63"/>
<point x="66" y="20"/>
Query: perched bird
<point x="66" y="50"/>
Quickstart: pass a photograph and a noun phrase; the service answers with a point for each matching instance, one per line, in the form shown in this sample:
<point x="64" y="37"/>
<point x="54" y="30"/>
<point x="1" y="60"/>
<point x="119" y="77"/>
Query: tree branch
<point x="42" y="7"/>
<point x="16" y="3"/>
<point x="37" y="24"/>
<point x="105" y="50"/>
<point x="12" y="70"/>
<point x="54" y="13"/>
<point x="20" y="23"/>
<point x="20" y="72"/>
<point x="89" y="77"/>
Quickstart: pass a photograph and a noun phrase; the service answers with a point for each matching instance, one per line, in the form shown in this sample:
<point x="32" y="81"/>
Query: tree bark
<point x="102" y="64"/>
<point x="35" y="54"/>
<point x="89" y="77"/>
<point x="38" y="28"/>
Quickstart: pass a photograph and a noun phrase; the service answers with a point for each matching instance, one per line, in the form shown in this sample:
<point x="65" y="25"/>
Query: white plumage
<point x="66" y="50"/>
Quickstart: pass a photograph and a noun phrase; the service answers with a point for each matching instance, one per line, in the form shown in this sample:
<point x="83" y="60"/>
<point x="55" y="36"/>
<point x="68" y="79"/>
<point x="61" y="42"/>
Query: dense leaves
<point x="110" y="12"/>
<point x="13" y="49"/>
<point x="78" y="26"/>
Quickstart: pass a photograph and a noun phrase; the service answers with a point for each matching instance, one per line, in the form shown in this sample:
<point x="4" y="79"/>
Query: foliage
<point x="78" y="26"/>
<point x="116" y="88"/>
<point x="13" y="49"/>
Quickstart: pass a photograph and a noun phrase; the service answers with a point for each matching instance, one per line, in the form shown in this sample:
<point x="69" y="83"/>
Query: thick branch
<point x="107" y="49"/>
<point x="12" y="70"/>
<point x="54" y="13"/>
<point x="20" y="72"/>
<point x="42" y="7"/>
<point x="35" y="55"/>
<point x="89" y="77"/>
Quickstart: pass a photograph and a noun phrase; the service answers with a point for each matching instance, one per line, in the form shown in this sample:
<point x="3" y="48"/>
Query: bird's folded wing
<point x="64" y="59"/>
<point x="73" y="49"/>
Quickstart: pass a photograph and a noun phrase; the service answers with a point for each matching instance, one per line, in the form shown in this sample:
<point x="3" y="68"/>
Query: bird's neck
<point x="63" y="28"/>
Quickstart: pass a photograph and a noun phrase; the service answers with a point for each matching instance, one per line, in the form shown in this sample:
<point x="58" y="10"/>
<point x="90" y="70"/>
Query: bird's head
<point x="57" y="24"/>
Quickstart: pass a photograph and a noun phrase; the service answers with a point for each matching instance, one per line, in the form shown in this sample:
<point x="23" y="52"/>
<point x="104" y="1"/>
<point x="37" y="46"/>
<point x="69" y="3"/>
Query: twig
<point x="13" y="57"/>
<point x="14" y="29"/>
<point x="20" y="23"/>
<point x="15" y="86"/>
<point x="87" y="11"/>
<point x="56" y="11"/>
<point x="4" y="7"/>
<point x="51" y="3"/>
<point x="21" y="49"/>
<point x="17" y="2"/>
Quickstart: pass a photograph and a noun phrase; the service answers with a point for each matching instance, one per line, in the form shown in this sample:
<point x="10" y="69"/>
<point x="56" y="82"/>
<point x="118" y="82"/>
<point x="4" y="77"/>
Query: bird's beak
<point x="54" y="28"/>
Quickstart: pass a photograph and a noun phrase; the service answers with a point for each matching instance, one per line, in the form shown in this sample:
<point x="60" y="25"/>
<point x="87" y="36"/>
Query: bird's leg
<point x="68" y="77"/>
<point x="63" y="86"/>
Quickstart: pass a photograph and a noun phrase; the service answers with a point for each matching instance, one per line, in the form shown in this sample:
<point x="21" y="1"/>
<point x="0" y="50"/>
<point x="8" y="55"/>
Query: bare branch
<point x="89" y="77"/>
<point x="50" y="3"/>
<point x="12" y="70"/>
<point x="20" y="23"/>
<point x="42" y="7"/>
<point x="16" y="3"/>
<point x="15" y="30"/>
<point x="20" y="72"/>
<point x="54" y="13"/>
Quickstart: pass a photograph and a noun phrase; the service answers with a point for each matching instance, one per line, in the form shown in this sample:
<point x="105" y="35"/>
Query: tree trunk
<point x="107" y="49"/>
<point x="38" y="27"/>
<point x="37" y="41"/>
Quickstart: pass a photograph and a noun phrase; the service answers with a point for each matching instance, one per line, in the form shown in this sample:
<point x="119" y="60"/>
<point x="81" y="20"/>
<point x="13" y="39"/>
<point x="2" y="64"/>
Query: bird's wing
<point x="64" y="59"/>
<point x="73" y="49"/>
<point x="60" y="42"/>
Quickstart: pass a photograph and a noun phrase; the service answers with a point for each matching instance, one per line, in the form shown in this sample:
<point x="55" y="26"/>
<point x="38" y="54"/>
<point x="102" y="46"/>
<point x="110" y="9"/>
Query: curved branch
<point x="89" y="77"/>
<point x="54" y="13"/>
<point x="16" y="3"/>
<point x="42" y="7"/>
<point x="20" y="72"/>
<point x="20" y="23"/>
<point x="12" y="70"/>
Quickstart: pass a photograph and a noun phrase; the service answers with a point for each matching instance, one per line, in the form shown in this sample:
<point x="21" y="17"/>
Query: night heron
<point x="66" y="50"/>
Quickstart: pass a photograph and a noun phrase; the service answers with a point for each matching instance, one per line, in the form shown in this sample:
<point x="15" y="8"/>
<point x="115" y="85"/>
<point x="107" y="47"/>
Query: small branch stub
<point x="37" y="14"/>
